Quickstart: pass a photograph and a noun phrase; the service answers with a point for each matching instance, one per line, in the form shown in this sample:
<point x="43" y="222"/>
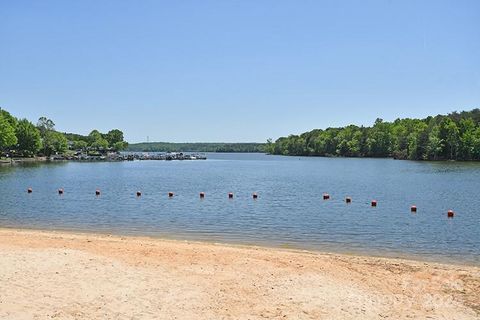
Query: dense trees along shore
<point x="455" y="136"/>
<point x="196" y="147"/>
<point x="21" y="138"/>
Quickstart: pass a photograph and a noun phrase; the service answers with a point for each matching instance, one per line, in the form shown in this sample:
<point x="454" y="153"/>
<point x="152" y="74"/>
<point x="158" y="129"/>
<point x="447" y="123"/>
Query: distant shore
<point x="69" y="275"/>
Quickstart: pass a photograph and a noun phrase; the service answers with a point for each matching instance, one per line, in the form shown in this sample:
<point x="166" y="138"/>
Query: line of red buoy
<point x="326" y="196"/>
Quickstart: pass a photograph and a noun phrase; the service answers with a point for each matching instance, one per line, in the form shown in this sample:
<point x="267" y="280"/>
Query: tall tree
<point x="114" y="136"/>
<point x="46" y="127"/>
<point x="379" y="139"/>
<point x="54" y="142"/>
<point x="7" y="133"/>
<point x="97" y="141"/>
<point x="29" y="139"/>
<point x="449" y="130"/>
<point x="435" y="144"/>
<point x="10" y="119"/>
<point x="467" y="138"/>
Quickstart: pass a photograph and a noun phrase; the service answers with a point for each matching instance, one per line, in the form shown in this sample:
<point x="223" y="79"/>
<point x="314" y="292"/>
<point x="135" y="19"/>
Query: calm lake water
<point x="289" y="211"/>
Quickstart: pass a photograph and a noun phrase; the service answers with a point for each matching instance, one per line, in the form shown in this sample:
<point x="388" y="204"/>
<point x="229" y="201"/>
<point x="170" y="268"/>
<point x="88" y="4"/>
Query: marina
<point x="125" y="156"/>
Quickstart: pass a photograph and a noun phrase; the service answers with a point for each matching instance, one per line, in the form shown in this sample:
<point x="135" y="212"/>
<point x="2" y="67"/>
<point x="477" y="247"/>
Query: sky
<point x="235" y="71"/>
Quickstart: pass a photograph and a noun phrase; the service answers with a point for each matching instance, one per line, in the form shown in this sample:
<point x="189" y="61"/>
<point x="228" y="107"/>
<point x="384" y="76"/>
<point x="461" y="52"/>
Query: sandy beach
<point x="59" y="275"/>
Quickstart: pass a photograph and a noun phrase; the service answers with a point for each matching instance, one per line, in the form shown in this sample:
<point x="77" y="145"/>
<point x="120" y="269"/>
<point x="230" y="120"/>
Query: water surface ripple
<point x="289" y="212"/>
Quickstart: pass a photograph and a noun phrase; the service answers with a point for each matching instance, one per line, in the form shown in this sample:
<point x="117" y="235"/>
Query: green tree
<point x="348" y="141"/>
<point x="29" y="139"/>
<point x="417" y="141"/>
<point x="44" y="125"/>
<point x="119" y="146"/>
<point x="97" y="141"/>
<point x="476" y="143"/>
<point x="9" y="118"/>
<point x="55" y="143"/>
<point x="79" y="145"/>
<point x="435" y="144"/>
<point x="100" y="144"/>
<point x="270" y="147"/>
<point x="114" y="136"/>
<point x="379" y="139"/>
<point x="7" y="133"/>
<point x="467" y="139"/>
<point x="450" y="133"/>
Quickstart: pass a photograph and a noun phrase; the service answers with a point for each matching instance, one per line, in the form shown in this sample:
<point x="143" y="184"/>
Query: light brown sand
<point x="46" y="275"/>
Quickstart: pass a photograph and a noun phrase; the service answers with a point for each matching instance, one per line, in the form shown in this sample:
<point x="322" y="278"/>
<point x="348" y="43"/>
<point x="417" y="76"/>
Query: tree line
<point x="22" y="138"/>
<point x="196" y="147"/>
<point x="455" y="136"/>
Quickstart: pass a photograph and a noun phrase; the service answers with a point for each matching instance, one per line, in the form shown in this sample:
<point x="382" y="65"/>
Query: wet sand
<point x="60" y="275"/>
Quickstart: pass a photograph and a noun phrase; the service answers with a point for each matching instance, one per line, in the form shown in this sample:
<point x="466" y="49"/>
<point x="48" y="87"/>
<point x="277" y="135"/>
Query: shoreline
<point x="392" y="255"/>
<point x="90" y="275"/>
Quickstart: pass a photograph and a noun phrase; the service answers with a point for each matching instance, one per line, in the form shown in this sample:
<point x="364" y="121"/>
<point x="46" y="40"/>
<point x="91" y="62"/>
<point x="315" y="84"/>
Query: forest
<point x="455" y="136"/>
<point x="196" y="147"/>
<point x="22" y="138"/>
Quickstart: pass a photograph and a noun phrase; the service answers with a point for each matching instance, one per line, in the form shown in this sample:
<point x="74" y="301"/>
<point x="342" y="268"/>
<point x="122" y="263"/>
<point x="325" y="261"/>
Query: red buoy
<point x="374" y="203"/>
<point x="255" y="195"/>
<point x="97" y="192"/>
<point x="326" y="196"/>
<point x="202" y="195"/>
<point x="348" y="200"/>
<point x="29" y="190"/>
<point x="450" y="213"/>
<point x="60" y="191"/>
<point x="170" y="194"/>
<point x="230" y="195"/>
<point x="413" y="208"/>
<point x="139" y="194"/>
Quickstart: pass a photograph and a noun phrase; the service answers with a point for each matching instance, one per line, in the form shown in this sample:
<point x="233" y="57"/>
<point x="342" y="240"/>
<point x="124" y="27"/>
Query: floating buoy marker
<point x="348" y="200"/>
<point x="450" y="213"/>
<point x="413" y="208"/>
<point x="29" y="190"/>
<point x="374" y="203"/>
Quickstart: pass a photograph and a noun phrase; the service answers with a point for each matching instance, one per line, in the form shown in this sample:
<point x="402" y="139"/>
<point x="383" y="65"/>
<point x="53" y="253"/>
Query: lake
<point x="289" y="212"/>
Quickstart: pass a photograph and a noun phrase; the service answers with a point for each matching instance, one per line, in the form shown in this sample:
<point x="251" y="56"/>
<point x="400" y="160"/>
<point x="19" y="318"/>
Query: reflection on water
<point x="289" y="212"/>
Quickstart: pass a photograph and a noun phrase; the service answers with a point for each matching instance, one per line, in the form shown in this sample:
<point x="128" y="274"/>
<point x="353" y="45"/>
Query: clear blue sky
<point x="235" y="70"/>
